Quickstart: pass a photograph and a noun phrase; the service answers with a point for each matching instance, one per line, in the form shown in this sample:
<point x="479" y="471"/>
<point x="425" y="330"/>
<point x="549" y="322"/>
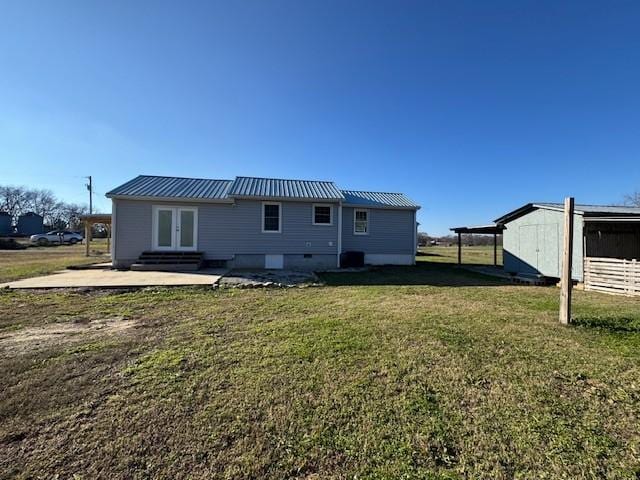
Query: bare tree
<point x="633" y="199"/>
<point x="423" y="238"/>
<point x="13" y="200"/>
<point x="41" y="202"/>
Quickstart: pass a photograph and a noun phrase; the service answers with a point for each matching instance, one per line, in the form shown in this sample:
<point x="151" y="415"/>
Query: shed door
<point x="528" y="248"/>
<point x="549" y="250"/>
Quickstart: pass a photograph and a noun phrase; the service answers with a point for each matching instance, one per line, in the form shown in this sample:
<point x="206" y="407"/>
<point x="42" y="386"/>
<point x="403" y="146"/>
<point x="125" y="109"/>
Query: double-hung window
<point x="361" y="222"/>
<point x="322" y="215"/>
<point x="271" y="217"/>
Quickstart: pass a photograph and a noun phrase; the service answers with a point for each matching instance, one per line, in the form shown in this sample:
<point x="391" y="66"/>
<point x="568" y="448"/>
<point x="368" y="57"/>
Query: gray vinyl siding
<point x="390" y="232"/>
<point x="132" y="229"/>
<point x="227" y="230"/>
<point x="533" y="244"/>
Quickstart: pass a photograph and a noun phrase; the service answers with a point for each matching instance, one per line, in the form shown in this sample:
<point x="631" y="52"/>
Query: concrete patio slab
<point x="116" y="278"/>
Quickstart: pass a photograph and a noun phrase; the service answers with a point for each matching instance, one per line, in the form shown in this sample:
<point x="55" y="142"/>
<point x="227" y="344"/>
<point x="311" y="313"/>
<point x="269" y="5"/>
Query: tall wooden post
<point x="567" y="258"/>
<point x="87" y="236"/>
<point x="459" y="248"/>
<point x="495" y="249"/>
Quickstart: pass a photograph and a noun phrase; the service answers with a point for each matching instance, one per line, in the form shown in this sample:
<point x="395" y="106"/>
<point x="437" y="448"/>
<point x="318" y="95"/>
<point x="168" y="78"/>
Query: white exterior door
<point x="175" y="228"/>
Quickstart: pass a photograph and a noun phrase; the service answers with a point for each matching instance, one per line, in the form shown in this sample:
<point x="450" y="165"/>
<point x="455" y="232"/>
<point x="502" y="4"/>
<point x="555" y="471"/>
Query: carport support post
<point x="495" y="249"/>
<point x="87" y="236"/>
<point x="459" y="248"/>
<point x="567" y="257"/>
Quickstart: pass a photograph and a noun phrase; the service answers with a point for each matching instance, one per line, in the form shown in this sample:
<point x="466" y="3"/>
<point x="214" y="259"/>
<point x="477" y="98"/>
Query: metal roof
<point x="483" y="229"/>
<point x="595" y="209"/>
<point x="173" y="187"/>
<point x="378" y="199"/>
<point x="610" y="211"/>
<point x="280" y="188"/>
<point x="266" y="188"/>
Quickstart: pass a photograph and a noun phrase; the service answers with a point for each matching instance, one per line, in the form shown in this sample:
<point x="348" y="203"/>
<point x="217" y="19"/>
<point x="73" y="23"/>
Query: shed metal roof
<point x="378" y="199"/>
<point x="605" y="211"/>
<point x="596" y="209"/>
<point x="281" y="188"/>
<point x="173" y="187"/>
<point x="482" y="229"/>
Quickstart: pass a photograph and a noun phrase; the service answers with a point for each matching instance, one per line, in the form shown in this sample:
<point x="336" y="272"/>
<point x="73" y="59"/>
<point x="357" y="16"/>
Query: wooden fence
<point x="612" y="275"/>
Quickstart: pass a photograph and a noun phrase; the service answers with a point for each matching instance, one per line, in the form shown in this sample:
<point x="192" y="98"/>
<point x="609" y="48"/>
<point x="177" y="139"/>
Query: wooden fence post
<point x="567" y="259"/>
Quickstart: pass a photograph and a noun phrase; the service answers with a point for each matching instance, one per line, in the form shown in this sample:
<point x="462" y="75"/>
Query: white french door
<point x="175" y="228"/>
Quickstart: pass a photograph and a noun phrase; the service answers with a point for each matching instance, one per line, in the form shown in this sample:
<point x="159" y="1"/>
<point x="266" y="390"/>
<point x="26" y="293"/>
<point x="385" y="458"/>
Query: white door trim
<point x="194" y="247"/>
<point x="175" y="228"/>
<point x="154" y="228"/>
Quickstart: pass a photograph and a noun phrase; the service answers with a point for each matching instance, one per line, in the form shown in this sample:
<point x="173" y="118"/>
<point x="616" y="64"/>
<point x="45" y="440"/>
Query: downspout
<point x="113" y="231"/>
<point x="339" y="242"/>
<point x="414" y="248"/>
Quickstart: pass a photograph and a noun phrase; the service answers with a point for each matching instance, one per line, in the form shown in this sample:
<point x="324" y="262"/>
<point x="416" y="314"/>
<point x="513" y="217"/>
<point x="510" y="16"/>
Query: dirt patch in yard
<point x="31" y="339"/>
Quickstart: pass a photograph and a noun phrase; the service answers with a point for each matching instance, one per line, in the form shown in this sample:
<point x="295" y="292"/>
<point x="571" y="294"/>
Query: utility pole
<point x="90" y="188"/>
<point x="567" y="258"/>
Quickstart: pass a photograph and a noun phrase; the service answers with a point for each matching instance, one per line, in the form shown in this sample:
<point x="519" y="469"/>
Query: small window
<point x="322" y="214"/>
<point x="271" y="217"/>
<point x="361" y="222"/>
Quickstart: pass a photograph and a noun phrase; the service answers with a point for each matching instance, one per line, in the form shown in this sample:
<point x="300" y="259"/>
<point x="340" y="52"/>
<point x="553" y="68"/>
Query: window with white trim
<point x="322" y="215"/>
<point x="361" y="222"/>
<point x="271" y="218"/>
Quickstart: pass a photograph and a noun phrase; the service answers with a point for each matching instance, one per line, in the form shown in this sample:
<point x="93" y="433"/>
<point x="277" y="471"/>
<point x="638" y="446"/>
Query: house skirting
<point x="388" y="259"/>
<point x="289" y="261"/>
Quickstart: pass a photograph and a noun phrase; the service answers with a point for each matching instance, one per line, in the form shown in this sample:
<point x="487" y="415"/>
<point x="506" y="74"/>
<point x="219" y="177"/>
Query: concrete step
<point x="158" y="261"/>
<point x="170" y="253"/>
<point x="169" y="261"/>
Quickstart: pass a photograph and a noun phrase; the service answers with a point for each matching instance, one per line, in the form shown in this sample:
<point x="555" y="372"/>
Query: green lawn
<point x="33" y="261"/>
<point x="406" y="372"/>
<point x="473" y="255"/>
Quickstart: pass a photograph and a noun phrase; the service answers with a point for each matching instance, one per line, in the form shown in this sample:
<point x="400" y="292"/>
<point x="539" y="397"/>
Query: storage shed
<point x="5" y="223"/>
<point x="533" y="234"/>
<point x="30" y="223"/>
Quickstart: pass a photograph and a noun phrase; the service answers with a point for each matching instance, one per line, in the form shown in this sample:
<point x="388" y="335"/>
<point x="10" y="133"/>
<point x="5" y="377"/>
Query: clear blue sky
<point x="472" y="108"/>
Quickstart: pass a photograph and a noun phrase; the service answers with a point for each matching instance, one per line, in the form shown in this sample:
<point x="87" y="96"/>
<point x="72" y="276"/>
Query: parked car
<point x="54" y="237"/>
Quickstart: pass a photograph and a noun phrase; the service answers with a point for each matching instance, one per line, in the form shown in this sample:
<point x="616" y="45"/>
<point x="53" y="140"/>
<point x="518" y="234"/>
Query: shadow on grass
<point x="425" y="254"/>
<point x="612" y="324"/>
<point x="439" y="275"/>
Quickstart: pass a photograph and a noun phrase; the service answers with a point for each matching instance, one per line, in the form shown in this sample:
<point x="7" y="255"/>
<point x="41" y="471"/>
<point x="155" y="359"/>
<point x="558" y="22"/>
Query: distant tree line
<point x="56" y="213"/>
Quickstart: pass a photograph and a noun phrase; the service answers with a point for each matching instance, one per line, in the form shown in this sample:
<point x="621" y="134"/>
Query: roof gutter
<point x="171" y="199"/>
<point x="284" y="199"/>
<point x="381" y="207"/>
<point x="611" y="219"/>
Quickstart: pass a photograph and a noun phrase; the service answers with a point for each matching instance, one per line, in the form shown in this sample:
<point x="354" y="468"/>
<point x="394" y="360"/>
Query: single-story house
<point x="533" y="236"/>
<point x="30" y="223"/>
<point x="259" y="222"/>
